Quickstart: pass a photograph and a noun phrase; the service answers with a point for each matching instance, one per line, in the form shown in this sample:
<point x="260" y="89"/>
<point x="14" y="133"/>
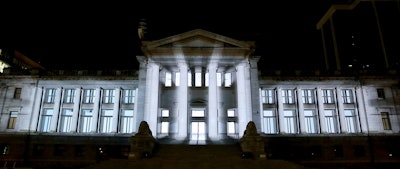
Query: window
<point x="231" y="122"/>
<point x="197" y="80"/>
<point x="108" y="96"/>
<point x="129" y="96"/>
<point x="177" y="78"/>
<point x="386" y="121"/>
<point x="17" y="93"/>
<point x="46" y="120"/>
<point x="206" y="79"/>
<point x="288" y="96"/>
<point x="311" y="121"/>
<point x="219" y="79"/>
<point x="49" y="95"/>
<point x="351" y="120"/>
<point x="5" y="149"/>
<point x="126" y="121"/>
<point x="268" y="96"/>
<point x="106" y="121"/>
<point x="66" y="120"/>
<point x="189" y="79"/>
<point x="69" y="95"/>
<point x="331" y="121"/>
<point x="168" y="79"/>
<point x="228" y="80"/>
<point x="381" y="93"/>
<point x="308" y="96"/>
<point x="347" y="95"/>
<point x="327" y="95"/>
<point x="12" y="120"/>
<point x="85" y="120"/>
<point x="164" y="121"/>
<point x="290" y="121"/>
<point x="269" y="122"/>
<point x="88" y="96"/>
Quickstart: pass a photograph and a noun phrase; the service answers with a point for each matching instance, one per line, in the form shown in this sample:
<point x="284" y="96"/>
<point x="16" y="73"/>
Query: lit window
<point x="88" y="96"/>
<point x="17" y="93"/>
<point x="228" y="80"/>
<point x="290" y="121"/>
<point x="231" y="122"/>
<point x="206" y="79"/>
<point x="177" y="78"/>
<point x="331" y="121"/>
<point x="269" y="122"/>
<point x="164" y="113"/>
<point x="327" y="95"/>
<point x="197" y="79"/>
<point x="198" y="113"/>
<point x="381" y="93"/>
<point x="351" y="120"/>
<point x="168" y="79"/>
<point x="311" y="121"/>
<point x="86" y="120"/>
<point x="108" y="96"/>
<point x="288" y="96"/>
<point x="386" y="121"/>
<point x="66" y="120"/>
<point x="189" y="79"/>
<point x="126" y="121"/>
<point x="308" y="96"/>
<point x="106" y="121"/>
<point x="12" y="120"/>
<point x="347" y="96"/>
<point x="69" y="95"/>
<point x="46" y="120"/>
<point x="50" y="95"/>
<point x="129" y="96"/>
<point x="219" y="79"/>
<point x="231" y="113"/>
<point x="164" y="121"/>
<point x="268" y="96"/>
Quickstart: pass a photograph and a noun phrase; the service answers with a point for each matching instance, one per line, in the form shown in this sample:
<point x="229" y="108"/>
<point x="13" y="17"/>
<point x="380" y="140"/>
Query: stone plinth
<point x="142" y="143"/>
<point x="252" y="144"/>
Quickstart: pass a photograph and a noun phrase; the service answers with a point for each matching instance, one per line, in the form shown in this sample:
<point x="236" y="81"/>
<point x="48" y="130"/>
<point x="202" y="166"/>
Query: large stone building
<point x="198" y="87"/>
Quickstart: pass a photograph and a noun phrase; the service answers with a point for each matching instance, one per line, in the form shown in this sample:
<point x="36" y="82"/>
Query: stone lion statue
<point x="144" y="129"/>
<point x="251" y="129"/>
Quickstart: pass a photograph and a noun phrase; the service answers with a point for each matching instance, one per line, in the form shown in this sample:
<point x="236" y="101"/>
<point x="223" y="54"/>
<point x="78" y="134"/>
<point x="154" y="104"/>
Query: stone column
<point x="243" y="96"/>
<point x="151" y="98"/>
<point x="342" y="119"/>
<point x="212" y="101"/>
<point x="321" y="114"/>
<point x="281" y="117"/>
<point x="300" y="103"/>
<point x="117" y="96"/>
<point x="96" y="109"/>
<point x="56" y="110"/>
<point x="183" y="101"/>
<point x="75" y="114"/>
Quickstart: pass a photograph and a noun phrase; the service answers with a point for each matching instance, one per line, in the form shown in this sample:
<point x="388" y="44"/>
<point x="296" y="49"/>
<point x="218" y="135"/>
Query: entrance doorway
<point x="197" y="130"/>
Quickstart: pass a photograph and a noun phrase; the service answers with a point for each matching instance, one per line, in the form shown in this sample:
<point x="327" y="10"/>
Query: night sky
<point x="71" y="34"/>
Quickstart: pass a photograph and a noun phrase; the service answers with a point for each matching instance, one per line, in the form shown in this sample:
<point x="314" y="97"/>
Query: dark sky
<point x="103" y="34"/>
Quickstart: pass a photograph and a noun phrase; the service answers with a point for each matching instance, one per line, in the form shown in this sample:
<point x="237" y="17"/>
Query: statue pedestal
<point x="253" y="145"/>
<point x="141" y="147"/>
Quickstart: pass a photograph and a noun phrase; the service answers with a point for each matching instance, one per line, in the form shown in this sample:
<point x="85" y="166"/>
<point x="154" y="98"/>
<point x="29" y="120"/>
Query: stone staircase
<point x="179" y="156"/>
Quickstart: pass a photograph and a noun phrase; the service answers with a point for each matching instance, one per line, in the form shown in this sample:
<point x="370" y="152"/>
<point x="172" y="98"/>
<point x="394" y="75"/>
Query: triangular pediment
<point x="195" y="39"/>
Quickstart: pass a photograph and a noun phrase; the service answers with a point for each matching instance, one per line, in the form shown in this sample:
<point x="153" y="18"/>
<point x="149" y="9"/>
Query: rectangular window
<point x="288" y="96"/>
<point x="231" y="122"/>
<point x="108" y="96"/>
<point x="129" y="96"/>
<point x="50" y="95"/>
<point x="351" y="120"/>
<point x="308" y="96"/>
<point x="106" y="121"/>
<point x="311" y="121"/>
<point x="290" y="121"/>
<point x="331" y="121"/>
<point x="126" y="121"/>
<point x="228" y="80"/>
<point x="219" y="79"/>
<point x="190" y="79"/>
<point x="268" y="96"/>
<point x="270" y="122"/>
<point x="46" y="120"/>
<point x="69" y="95"/>
<point x="386" y="121"/>
<point x="197" y="80"/>
<point x="168" y="79"/>
<point x="177" y="78"/>
<point x="17" y="93"/>
<point x="12" y="120"/>
<point x="328" y="96"/>
<point x="88" y="96"/>
<point x="381" y="93"/>
<point x="164" y="121"/>
<point x="85" y="121"/>
<point x="347" y="95"/>
<point x="66" y="120"/>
